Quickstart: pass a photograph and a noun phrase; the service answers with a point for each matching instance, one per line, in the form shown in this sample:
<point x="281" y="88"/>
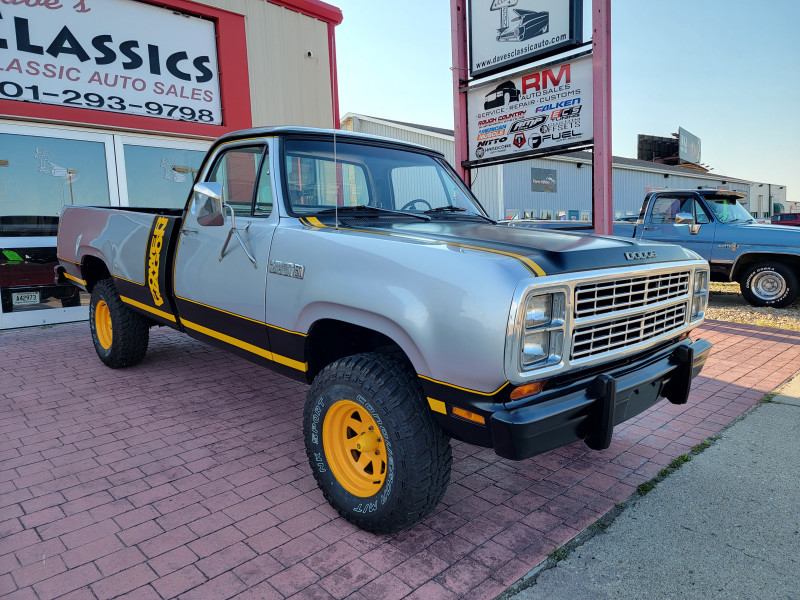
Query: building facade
<point x="114" y="102"/>
<point x="560" y="187"/>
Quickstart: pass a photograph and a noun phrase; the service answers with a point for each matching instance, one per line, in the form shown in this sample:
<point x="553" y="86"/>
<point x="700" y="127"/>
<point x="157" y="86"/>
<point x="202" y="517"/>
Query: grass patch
<point x="559" y="554"/>
<point x="702" y="446"/>
<point x="676" y="463"/>
<point x="664" y="472"/>
<point x="645" y="487"/>
<point x="768" y="398"/>
<point x="598" y="526"/>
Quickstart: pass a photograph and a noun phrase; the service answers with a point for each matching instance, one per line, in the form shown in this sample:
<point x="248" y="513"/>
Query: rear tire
<point x="120" y="335"/>
<point x="375" y="450"/>
<point x="769" y="284"/>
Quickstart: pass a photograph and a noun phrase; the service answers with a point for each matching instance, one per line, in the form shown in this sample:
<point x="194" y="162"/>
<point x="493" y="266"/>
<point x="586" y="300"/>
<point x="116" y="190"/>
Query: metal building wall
<point x="446" y="147"/>
<point x="286" y="87"/>
<point x="573" y="188"/>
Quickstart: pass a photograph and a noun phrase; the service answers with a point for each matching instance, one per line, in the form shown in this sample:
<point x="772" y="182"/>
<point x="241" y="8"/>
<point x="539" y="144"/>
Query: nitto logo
<point x="156" y="242"/>
<point x="640" y="255"/>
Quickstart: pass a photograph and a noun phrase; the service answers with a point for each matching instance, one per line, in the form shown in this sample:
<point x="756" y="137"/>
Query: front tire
<point x="769" y="284"/>
<point x="375" y="450"/>
<point x="120" y="336"/>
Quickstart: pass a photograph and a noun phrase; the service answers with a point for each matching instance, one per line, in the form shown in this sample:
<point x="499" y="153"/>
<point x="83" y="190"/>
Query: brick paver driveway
<point x="186" y="476"/>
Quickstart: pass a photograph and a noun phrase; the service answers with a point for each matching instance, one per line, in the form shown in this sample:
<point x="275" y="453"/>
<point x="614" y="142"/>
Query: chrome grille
<point x="633" y="292"/>
<point x="591" y="340"/>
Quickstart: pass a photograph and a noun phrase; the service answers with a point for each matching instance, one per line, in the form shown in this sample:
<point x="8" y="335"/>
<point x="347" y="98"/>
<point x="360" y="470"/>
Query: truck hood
<point x="553" y="252"/>
<point x="758" y="234"/>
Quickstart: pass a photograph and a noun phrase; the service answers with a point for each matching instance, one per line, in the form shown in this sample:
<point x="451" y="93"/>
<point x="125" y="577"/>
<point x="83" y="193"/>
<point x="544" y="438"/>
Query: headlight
<point x="700" y="281"/>
<point x="538" y="311"/>
<point x="542" y="340"/>
<point x="535" y="347"/>
<point x="700" y="295"/>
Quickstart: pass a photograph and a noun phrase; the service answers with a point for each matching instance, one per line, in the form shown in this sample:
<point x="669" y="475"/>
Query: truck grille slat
<point x="591" y="340"/>
<point x="633" y="292"/>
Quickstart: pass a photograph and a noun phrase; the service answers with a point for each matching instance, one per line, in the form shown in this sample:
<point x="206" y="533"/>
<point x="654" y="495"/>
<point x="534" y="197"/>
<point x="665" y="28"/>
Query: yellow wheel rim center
<point x="355" y="448"/>
<point x="102" y="324"/>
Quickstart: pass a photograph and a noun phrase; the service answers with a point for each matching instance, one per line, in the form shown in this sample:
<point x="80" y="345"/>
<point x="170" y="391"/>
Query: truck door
<point x="221" y="295"/>
<point x="660" y="223"/>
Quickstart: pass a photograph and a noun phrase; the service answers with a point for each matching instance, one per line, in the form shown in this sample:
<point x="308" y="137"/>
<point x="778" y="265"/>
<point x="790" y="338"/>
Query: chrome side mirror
<point x="208" y="203"/>
<point x="683" y="218"/>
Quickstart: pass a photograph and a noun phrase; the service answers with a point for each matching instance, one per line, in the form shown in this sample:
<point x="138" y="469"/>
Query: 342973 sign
<point x="113" y="55"/>
<point x="532" y="113"/>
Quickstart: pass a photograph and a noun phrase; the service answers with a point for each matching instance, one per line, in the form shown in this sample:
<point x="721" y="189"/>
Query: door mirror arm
<point x="235" y="232"/>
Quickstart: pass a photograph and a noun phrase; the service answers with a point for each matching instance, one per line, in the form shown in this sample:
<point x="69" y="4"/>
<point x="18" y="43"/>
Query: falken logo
<point x="640" y="255"/>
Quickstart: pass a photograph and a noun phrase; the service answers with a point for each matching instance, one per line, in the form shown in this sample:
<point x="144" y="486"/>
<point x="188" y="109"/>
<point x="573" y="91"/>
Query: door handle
<point x="188" y="231"/>
<point x="650" y="228"/>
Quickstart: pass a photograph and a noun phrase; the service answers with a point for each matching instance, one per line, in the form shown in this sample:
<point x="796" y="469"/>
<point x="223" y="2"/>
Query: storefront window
<point x="41" y="175"/>
<point x="160" y="177"/>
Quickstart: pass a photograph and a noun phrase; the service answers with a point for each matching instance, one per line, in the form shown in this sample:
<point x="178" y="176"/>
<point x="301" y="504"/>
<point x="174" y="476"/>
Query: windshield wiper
<point x="441" y="209"/>
<point x="446" y="209"/>
<point x="365" y="208"/>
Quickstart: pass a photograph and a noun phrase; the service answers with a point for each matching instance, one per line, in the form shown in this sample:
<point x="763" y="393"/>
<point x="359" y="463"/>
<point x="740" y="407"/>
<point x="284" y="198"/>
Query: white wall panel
<point x="286" y="86"/>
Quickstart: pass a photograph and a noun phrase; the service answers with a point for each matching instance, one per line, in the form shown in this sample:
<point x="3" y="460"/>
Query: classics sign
<point x="112" y="55"/>
<point x="508" y="33"/>
<point x="532" y="112"/>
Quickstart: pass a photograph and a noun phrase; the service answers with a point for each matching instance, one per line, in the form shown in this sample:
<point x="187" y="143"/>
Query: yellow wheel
<point x="373" y="445"/>
<point x="119" y="334"/>
<point x="355" y="448"/>
<point x="102" y="322"/>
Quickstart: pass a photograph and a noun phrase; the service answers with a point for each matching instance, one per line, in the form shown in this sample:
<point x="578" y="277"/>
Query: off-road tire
<point x="129" y="332"/>
<point x="418" y="455"/>
<point x="758" y="279"/>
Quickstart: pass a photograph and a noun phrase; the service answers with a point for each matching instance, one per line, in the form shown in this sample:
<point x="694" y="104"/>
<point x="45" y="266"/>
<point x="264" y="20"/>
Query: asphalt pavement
<point x="724" y="525"/>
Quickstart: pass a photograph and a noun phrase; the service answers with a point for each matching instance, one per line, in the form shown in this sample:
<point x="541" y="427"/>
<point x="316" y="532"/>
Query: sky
<point x="727" y="71"/>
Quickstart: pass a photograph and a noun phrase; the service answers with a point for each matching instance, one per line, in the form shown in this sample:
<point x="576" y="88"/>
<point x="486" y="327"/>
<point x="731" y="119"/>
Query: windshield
<point x="373" y="177"/>
<point x="728" y="210"/>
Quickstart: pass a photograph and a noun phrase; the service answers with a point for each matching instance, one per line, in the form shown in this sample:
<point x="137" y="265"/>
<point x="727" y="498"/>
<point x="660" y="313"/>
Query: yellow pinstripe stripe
<point x="294" y="364"/>
<point x="155" y="311"/>
<point x="463" y="389"/>
<point x="75" y="279"/>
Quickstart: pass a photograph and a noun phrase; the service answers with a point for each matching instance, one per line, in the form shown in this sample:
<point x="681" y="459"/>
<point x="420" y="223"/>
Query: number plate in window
<point x="24" y="298"/>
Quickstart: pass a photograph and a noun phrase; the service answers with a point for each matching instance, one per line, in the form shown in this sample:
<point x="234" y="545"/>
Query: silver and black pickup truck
<point x="365" y="267"/>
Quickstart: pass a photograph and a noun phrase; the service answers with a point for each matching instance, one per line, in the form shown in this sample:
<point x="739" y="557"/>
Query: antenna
<point x="335" y="165"/>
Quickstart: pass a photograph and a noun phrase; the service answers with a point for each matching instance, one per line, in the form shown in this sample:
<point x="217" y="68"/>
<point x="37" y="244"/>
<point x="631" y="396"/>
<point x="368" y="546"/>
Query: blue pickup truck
<point x="763" y="259"/>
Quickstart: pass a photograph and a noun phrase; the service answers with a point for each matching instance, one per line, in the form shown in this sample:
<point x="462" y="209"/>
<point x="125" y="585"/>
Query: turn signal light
<point x="469" y="416"/>
<point x="529" y="389"/>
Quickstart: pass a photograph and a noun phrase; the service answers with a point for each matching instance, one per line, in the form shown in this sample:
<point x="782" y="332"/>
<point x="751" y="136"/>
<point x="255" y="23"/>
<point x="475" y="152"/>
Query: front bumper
<point x="590" y="408"/>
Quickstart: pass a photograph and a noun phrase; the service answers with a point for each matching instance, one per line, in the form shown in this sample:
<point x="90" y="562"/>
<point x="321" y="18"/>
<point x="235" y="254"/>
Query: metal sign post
<point x="602" y="196"/>
<point x="458" y="32"/>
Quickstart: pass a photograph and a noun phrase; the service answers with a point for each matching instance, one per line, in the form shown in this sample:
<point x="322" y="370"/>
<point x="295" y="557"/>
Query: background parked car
<point x="786" y="219"/>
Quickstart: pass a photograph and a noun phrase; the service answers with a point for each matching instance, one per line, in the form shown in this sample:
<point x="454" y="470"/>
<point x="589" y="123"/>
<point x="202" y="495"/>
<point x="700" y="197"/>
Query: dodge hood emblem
<point x="640" y="255"/>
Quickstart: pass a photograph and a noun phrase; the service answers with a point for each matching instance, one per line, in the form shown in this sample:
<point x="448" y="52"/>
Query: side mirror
<point x="683" y="218"/>
<point x="208" y="203"/>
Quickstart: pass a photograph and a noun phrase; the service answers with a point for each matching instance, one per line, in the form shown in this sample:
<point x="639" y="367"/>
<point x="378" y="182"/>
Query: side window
<point x="418" y="188"/>
<point x="666" y="207"/>
<point x="237" y="171"/>
<point x="263" y="206"/>
<point x="314" y="183"/>
<point x="700" y="214"/>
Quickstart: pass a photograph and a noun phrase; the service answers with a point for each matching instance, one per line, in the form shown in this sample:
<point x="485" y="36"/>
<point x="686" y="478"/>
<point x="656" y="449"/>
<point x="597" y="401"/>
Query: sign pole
<point x="602" y="193"/>
<point x="458" y="32"/>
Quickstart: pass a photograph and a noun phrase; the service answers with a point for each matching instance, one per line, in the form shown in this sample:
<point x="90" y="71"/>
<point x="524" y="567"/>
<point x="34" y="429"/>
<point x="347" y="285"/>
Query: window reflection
<point x="160" y="177"/>
<point x="41" y="175"/>
<point x="27" y="282"/>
